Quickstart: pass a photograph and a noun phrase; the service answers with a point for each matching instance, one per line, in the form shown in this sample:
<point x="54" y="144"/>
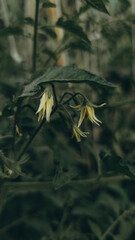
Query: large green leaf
<point x="97" y="4"/>
<point x="63" y="75"/>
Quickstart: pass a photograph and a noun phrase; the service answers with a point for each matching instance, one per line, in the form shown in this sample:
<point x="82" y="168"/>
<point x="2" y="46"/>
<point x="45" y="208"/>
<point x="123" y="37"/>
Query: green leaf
<point x="98" y="5"/>
<point x="29" y="21"/>
<point x="82" y="10"/>
<point x="117" y="164"/>
<point x="79" y="44"/>
<point x="63" y="75"/>
<point x="49" y="31"/>
<point x="50" y="53"/>
<point x="70" y="26"/>
<point x="48" y="5"/>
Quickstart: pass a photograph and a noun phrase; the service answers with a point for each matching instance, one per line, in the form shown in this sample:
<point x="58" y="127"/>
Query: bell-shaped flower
<point x="89" y="111"/>
<point x="78" y="133"/>
<point x="46" y="104"/>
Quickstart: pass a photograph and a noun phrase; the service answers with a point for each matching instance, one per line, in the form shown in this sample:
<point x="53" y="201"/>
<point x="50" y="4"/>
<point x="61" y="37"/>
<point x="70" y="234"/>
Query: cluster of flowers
<point x="46" y="105"/>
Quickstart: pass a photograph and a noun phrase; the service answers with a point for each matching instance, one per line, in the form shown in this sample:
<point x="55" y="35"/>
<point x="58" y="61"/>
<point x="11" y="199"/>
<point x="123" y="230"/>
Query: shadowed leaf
<point x="63" y="75"/>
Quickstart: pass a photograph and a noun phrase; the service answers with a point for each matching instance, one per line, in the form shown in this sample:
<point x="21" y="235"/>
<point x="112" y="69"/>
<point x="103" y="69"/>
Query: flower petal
<point x="42" y="102"/>
<point x="82" y="116"/>
<point x="49" y="105"/>
<point x="76" y="107"/>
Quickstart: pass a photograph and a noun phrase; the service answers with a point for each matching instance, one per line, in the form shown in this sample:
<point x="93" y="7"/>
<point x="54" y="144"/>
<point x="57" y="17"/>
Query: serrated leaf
<point x="63" y="75"/>
<point x="72" y="27"/>
<point x="98" y="5"/>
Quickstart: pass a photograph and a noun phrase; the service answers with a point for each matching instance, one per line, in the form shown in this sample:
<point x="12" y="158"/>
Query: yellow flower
<point x="46" y="104"/>
<point x="78" y="133"/>
<point x="88" y="110"/>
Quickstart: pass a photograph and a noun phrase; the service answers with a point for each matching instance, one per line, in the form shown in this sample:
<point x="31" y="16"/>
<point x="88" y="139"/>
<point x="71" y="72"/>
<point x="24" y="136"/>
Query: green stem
<point x="73" y="96"/>
<point x="65" y="94"/>
<point x="111" y="227"/>
<point x="33" y="136"/>
<point x="28" y="106"/>
<point x="54" y="93"/>
<point x="98" y="164"/>
<point x="69" y="115"/>
<point x="41" y="186"/>
<point x="35" y="37"/>
<point x="30" y="140"/>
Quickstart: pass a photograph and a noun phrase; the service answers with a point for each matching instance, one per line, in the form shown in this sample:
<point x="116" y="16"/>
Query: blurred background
<point x="61" y="189"/>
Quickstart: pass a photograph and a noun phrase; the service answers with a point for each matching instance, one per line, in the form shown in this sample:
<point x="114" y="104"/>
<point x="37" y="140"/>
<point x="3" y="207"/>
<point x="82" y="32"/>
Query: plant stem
<point x="33" y="136"/>
<point x="28" y="106"/>
<point x="66" y="93"/>
<point x="35" y="37"/>
<point x="54" y="93"/>
<point x="133" y="40"/>
<point x="30" y="140"/>
<point x="73" y="97"/>
<point x="111" y="227"/>
<point x="41" y="186"/>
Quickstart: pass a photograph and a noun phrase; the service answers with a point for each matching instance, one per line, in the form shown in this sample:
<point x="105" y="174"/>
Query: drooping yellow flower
<point x="46" y="104"/>
<point x="90" y="113"/>
<point x="88" y="110"/>
<point x="78" y="133"/>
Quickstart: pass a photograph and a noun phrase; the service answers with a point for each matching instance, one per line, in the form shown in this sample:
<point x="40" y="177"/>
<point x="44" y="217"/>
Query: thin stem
<point x="69" y="115"/>
<point x="98" y="164"/>
<point x="28" y="106"/>
<point x="133" y="40"/>
<point x="33" y="136"/>
<point x="66" y="93"/>
<point x="26" y="186"/>
<point x="54" y="93"/>
<point x="30" y="140"/>
<point x="74" y="97"/>
<point x="111" y="227"/>
<point x="35" y="37"/>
